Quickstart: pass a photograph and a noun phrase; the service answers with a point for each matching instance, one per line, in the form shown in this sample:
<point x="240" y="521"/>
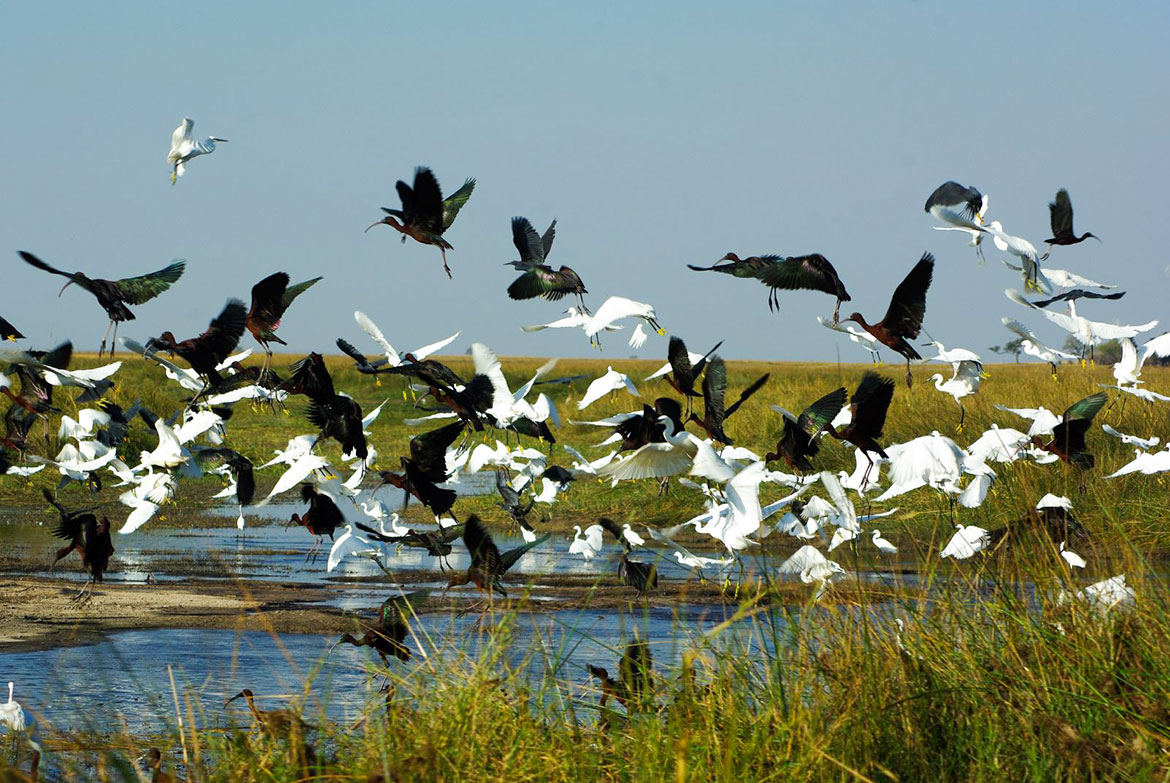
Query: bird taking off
<point x="540" y="279"/>
<point x="425" y="215"/>
<point x="809" y="273"/>
<point x="1060" y="213"/>
<point x="904" y="317"/>
<point x="184" y="147"/>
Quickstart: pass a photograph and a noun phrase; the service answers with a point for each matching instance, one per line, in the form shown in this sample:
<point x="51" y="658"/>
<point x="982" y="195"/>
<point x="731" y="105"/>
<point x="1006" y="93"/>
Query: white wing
<point x="371" y="328"/>
<point x="427" y="350"/>
<point x="615" y="309"/>
<point x="654" y="460"/>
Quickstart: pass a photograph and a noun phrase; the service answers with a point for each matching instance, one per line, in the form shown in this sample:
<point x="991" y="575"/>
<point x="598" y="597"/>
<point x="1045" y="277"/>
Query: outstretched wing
<point x="908" y="304"/>
<point x="141" y="289"/>
<point x="1060" y="214"/>
<point x="293" y="291"/>
<point x="453" y="203"/>
<point x="1077" y="293"/>
<point x="266" y="296"/>
<point x="509" y="558"/>
<point x="748" y="392"/>
<point x="870" y="403"/>
<point x="41" y="265"/>
<point x="527" y="241"/>
<point x="484" y="553"/>
<point x="225" y="330"/>
<point x="550" y="234"/>
<point x="428" y="451"/>
<point x="1086" y="408"/>
<point x="714" y="389"/>
<point x="426" y="208"/>
<point x="814" y="418"/>
<point x="810" y="273"/>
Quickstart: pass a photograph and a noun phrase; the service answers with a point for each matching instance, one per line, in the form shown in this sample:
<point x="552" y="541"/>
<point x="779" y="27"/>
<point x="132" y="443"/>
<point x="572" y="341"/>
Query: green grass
<point x="1134" y="505"/>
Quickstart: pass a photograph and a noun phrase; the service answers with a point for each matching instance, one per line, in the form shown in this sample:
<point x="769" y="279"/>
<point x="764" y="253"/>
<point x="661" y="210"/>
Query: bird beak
<point x="378" y="223"/>
<point x="218" y="141"/>
<point x="64" y="287"/>
<point x="229" y="701"/>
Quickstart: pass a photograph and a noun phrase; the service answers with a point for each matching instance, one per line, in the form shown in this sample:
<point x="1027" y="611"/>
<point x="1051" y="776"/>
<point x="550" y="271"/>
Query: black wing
<point x="1060" y="214"/>
<point x="527" y="241"/>
<point x="746" y="393"/>
<point x="951" y="193"/>
<point x="427" y="201"/>
<point x="870" y="403"/>
<point x="428" y="451"/>
<point x="1077" y="293"/>
<point x="908" y="304"/>
<point x="811" y="273"/>
<point x="223" y="335"/>
<point x="815" y="417"/>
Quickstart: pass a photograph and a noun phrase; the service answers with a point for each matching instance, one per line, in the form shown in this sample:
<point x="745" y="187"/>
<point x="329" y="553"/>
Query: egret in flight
<point x="184" y="147"/>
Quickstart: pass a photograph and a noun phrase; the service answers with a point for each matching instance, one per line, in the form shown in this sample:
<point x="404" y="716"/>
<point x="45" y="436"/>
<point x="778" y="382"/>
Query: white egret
<point x="966" y="541"/>
<point x="1072" y="558"/>
<point x="1034" y="279"/>
<point x="884" y="546"/>
<point x="392" y="357"/>
<point x="1103" y="596"/>
<point x="615" y="309"/>
<point x="1145" y="463"/>
<point x="1054" y="501"/>
<point x="588" y="545"/>
<point x="611" y="381"/>
<point x="1132" y="440"/>
<point x="958" y="205"/>
<point x="184" y="147"/>
<point x="964" y="382"/>
<point x="11" y="713"/>
<point x="1043" y="420"/>
<point x="858" y="336"/>
<point x="1032" y="346"/>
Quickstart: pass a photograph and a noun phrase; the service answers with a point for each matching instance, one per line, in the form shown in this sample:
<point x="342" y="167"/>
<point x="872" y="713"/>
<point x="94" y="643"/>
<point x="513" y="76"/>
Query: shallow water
<point x="127" y="674"/>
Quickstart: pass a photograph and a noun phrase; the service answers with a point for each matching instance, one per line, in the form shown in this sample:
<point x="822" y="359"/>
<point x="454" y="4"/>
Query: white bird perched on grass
<point x="964" y="382"/>
<point x="859" y="336"/>
<point x="966" y="541"/>
<point x="11" y="713"/>
<point x="1032" y="346"/>
<point x="611" y="381"/>
<point x="589" y="544"/>
<point x="884" y="546"/>
<point x="1072" y="558"/>
<point x="615" y="309"/>
<point x="1132" y="440"/>
<point x="184" y="147"/>
<point x="1149" y="464"/>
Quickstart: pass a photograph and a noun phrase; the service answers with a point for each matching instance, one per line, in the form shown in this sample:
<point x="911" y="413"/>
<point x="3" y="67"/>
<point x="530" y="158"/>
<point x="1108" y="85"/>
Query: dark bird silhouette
<point x="683" y="376"/>
<point x="643" y="577"/>
<point x="389" y="636"/>
<point x="425" y="468"/>
<point x="488" y="564"/>
<point x="558" y="474"/>
<point x="241" y="470"/>
<point x="798" y="442"/>
<point x="35" y="401"/>
<point x="114" y="295"/>
<point x="513" y="502"/>
<point x="794" y="273"/>
<point x="951" y="197"/>
<point x="71" y="528"/>
<point x="611" y="527"/>
<point x="115" y="432"/>
<point x="868" y="406"/>
<point x="635" y="679"/>
<point x="86" y="536"/>
<point x="644" y="428"/>
<point x="714" y="390"/>
<point x="8" y="331"/>
<point x="270" y="298"/>
<point x="205" y="352"/>
<point x="1060" y="214"/>
<point x="337" y="416"/>
<point x="322" y="518"/>
<point x="540" y="279"/>
<point x="903" y="319"/>
<point x="437" y="543"/>
<point x="1077" y="293"/>
<point x="1068" y="437"/>
<point x="425" y="215"/>
<point x="153" y="759"/>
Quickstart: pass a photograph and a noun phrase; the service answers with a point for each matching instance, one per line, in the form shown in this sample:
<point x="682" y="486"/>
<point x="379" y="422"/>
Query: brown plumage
<point x="903" y="319"/>
<point x="425" y="215"/>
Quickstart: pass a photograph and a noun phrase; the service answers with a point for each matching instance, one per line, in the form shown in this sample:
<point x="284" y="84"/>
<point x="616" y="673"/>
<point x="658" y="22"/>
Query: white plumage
<point x="184" y="147"/>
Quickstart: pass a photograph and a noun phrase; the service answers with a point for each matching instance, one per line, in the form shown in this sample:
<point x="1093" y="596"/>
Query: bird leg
<point x="909" y="377"/>
<point x="962" y="416"/>
<point x="113" y="341"/>
<point x="102" y="347"/>
<point x="837" y="313"/>
<point x="443" y="255"/>
<point x="663" y="486"/>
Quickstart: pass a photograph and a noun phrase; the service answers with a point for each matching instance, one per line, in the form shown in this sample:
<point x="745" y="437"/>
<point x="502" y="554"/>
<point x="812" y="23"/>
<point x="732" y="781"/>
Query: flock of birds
<point x="650" y="442"/>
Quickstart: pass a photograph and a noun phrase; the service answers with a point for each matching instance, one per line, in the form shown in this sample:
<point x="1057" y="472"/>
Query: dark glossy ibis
<point x="512" y="502"/>
<point x="425" y="468"/>
<point x="275" y="723"/>
<point x="799" y="441"/>
<point x="794" y="273"/>
<point x="270" y="298"/>
<point x="153" y="759"/>
<point x="957" y="204"/>
<point x="8" y="331"/>
<point x="335" y="415"/>
<point x="635" y="681"/>
<point x="205" y="352"/>
<point x="488" y="564"/>
<point x="903" y="320"/>
<point x="1060" y="214"/>
<point x="86" y="536"/>
<point x="389" y="637"/>
<point x="643" y="577"/>
<point x="1075" y="294"/>
<point x="437" y="543"/>
<point x="714" y="392"/>
<point x="540" y="279"/>
<point x="71" y="528"/>
<point x="425" y="215"/>
<point x="868" y="407"/>
<point x="1068" y="437"/>
<point x="240" y="468"/>
<point x="683" y="374"/>
<point x="35" y="401"/>
<point x="322" y="518"/>
<point x="114" y="295"/>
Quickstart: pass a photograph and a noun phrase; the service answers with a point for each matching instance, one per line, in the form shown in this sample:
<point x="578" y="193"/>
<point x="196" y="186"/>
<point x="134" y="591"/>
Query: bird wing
<point x="870" y="403"/>
<point x="426" y="209"/>
<point x="714" y="389"/>
<point x="811" y="272"/>
<point x="511" y="496"/>
<point x="429" y="450"/>
<point x="266" y="299"/>
<point x="539" y="281"/>
<point x="371" y="328"/>
<point x="908" y="304"/>
<point x="1019" y="329"/>
<point x="1085" y="408"/>
<point x="39" y="264"/>
<point x="599" y="388"/>
<point x="488" y="365"/>
<point x="311" y="378"/>
<point x="453" y="203"/>
<point x="293" y="291"/>
<point x="746" y="393"/>
<point x="484" y="552"/>
<point x="550" y="234"/>
<point x="1060" y="213"/>
<point x="951" y="193"/>
<point x="141" y="289"/>
<point x="614" y="309"/>
<point x="1078" y="293"/>
<point x="527" y="241"/>
<point x="430" y="348"/>
<point x="654" y="460"/>
<point x="225" y="330"/>
<point x="814" y="418"/>
<point x="509" y="558"/>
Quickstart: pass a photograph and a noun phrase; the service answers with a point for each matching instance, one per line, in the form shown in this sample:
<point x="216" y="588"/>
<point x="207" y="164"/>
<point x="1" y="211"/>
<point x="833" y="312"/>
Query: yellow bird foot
<point x="377" y="381"/>
<point x="174" y="178"/>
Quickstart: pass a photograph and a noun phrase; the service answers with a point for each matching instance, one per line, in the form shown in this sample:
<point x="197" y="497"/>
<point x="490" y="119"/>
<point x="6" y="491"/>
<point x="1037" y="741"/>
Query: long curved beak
<point x="64" y="287"/>
<point x="377" y="223"/>
<point x="229" y="701"/>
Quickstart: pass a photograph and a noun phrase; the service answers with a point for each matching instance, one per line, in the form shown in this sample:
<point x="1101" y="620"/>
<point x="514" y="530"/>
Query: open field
<point x="992" y="676"/>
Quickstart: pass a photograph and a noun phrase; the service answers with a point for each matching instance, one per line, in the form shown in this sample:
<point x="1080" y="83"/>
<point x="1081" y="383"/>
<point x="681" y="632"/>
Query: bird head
<point x="731" y="257"/>
<point x="244" y="694"/>
<point x="855" y="317"/>
<point x="388" y="220"/>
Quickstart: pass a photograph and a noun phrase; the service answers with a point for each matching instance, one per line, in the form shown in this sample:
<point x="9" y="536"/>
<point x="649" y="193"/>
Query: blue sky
<point x="656" y="139"/>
